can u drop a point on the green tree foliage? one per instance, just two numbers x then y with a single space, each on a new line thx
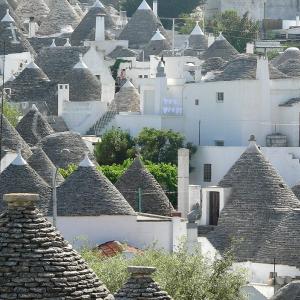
11 113
161 145
165 174
115 147
237 30
157 146
166 8
182 275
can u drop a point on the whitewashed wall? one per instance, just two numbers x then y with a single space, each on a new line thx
284 159
13 62
81 116
94 59
140 232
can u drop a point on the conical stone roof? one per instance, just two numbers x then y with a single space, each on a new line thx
156 46
258 201
58 61
283 243
220 48
87 192
62 17
289 53
290 67
154 200
64 148
41 163
290 291
11 34
213 64
11 140
86 28
140 285
197 39
243 67
128 98
33 86
42 265
4 6
141 27
83 85
33 127
19 177
32 8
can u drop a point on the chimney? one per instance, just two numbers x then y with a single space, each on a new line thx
32 28
297 21
155 7
20 200
262 70
100 28
63 95
183 181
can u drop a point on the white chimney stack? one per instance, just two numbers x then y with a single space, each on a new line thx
63 95
297 21
100 28
32 28
155 7
183 181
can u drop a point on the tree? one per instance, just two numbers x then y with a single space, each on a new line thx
183 275
237 30
161 145
11 113
115 147
157 146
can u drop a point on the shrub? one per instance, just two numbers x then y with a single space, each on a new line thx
182 275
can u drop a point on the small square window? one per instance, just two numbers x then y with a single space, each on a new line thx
219 143
66 86
197 102
220 97
207 173
61 86
140 76
145 76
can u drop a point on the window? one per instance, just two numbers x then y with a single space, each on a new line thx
197 102
145 76
219 143
98 77
220 97
61 86
207 173
140 76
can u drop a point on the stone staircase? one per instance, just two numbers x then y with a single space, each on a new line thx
102 123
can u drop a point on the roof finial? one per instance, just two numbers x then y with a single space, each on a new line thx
197 30
53 45
81 64
98 3
86 162
220 37
252 148
7 17
67 44
158 36
19 160
144 6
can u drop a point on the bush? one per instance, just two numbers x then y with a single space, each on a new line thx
182 275
11 113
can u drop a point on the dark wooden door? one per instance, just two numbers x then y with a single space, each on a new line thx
214 208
